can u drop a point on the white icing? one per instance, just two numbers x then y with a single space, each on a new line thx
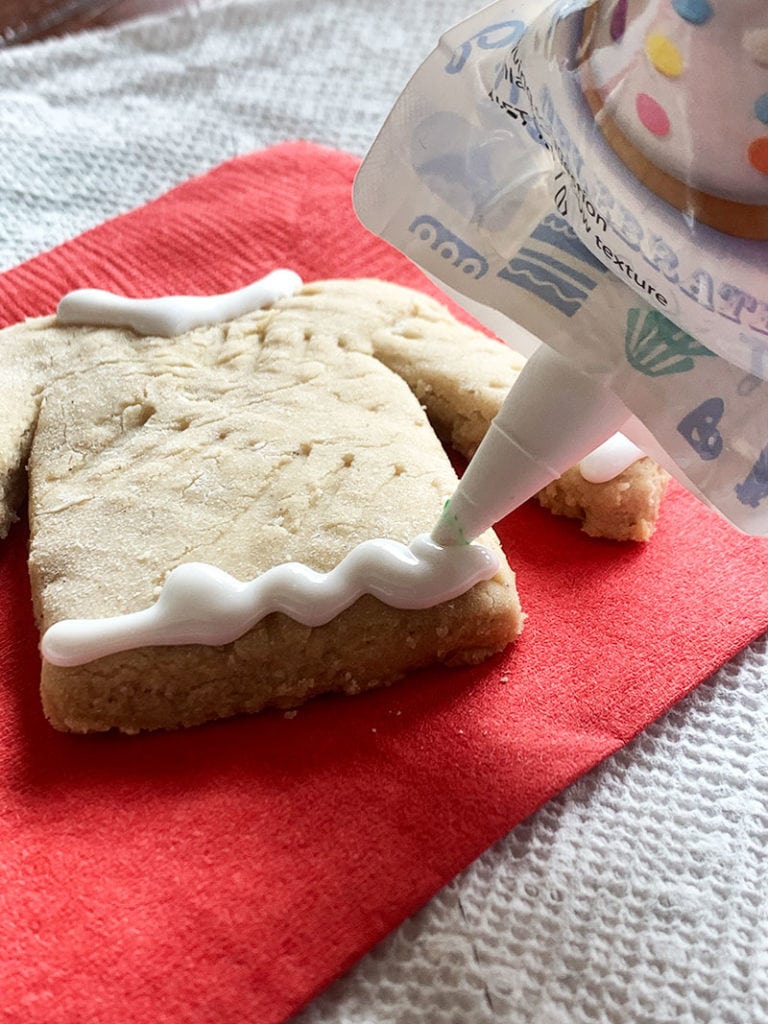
200 604
173 314
610 459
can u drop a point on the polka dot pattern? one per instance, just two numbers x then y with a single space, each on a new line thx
755 44
667 59
697 12
652 115
757 154
664 55
670 42
618 24
761 108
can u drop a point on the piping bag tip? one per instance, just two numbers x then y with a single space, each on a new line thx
551 418
448 532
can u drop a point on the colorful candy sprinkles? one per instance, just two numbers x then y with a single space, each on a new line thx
619 20
652 115
757 154
666 58
664 55
697 12
761 108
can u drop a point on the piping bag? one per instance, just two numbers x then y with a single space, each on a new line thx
578 176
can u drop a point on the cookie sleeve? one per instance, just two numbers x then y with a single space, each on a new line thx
25 363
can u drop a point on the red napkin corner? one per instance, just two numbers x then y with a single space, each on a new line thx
228 873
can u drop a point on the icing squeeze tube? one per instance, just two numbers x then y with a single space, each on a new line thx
571 414
568 170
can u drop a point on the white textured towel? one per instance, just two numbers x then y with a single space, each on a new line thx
637 897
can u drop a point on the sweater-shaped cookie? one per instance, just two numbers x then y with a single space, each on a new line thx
236 516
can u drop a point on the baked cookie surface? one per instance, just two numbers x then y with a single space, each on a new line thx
293 433
270 439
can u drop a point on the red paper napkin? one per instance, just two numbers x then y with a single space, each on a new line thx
228 873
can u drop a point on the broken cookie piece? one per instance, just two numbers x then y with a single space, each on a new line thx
623 508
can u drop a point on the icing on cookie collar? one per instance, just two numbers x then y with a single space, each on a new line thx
200 604
172 315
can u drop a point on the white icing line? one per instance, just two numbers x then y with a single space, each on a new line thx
173 314
610 459
200 604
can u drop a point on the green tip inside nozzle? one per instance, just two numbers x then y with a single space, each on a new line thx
448 531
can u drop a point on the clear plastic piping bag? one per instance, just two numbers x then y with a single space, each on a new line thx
581 174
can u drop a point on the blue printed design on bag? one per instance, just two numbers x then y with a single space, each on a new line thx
449 246
755 488
657 347
699 428
559 234
500 35
552 266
